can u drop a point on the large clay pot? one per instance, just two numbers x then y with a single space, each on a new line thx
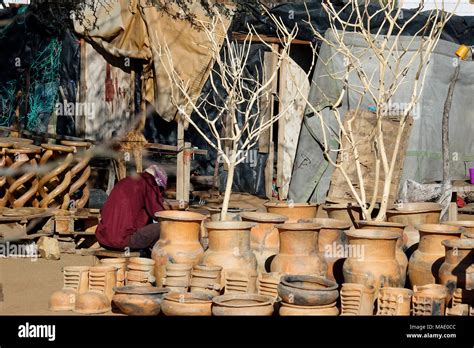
229 246
264 239
371 258
242 304
424 264
179 240
298 250
459 256
411 215
294 211
467 224
396 227
331 239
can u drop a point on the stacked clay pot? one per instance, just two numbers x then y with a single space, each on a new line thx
242 304
372 259
206 279
177 277
459 256
399 253
412 215
331 239
179 240
240 281
140 271
429 300
298 252
425 262
357 299
394 301
264 239
188 304
294 211
229 246
120 264
267 284
307 295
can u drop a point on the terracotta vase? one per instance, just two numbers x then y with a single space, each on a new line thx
229 246
288 309
400 255
411 215
139 300
357 299
371 258
307 290
458 257
242 304
298 250
467 224
331 240
240 281
189 304
294 211
264 239
429 300
424 264
394 301
179 240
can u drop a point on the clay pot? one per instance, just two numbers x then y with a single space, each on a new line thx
399 253
331 239
189 304
241 281
342 212
103 279
307 290
357 299
298 250
242 304
92 302
394 301
139 300
411 215
463 296
429 300
76 278
467 224
177 277
206 279
233 213
229 246
120 264
264 239
140 272
371 258
267 284
294 211
63 300
424 264
288 309
459 256
179 240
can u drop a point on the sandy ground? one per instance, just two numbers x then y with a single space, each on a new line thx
28 284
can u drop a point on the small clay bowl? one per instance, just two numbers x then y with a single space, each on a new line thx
302 290
243 304
139 300
187 304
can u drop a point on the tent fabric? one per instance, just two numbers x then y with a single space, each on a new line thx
137 29
423 162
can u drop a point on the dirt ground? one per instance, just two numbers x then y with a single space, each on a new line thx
28 283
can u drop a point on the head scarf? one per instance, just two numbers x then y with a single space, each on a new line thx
159 174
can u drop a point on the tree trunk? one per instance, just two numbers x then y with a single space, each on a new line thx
228 190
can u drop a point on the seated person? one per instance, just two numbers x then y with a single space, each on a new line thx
127 217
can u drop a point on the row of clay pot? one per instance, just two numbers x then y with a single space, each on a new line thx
86 290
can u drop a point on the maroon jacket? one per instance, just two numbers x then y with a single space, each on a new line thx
131 205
